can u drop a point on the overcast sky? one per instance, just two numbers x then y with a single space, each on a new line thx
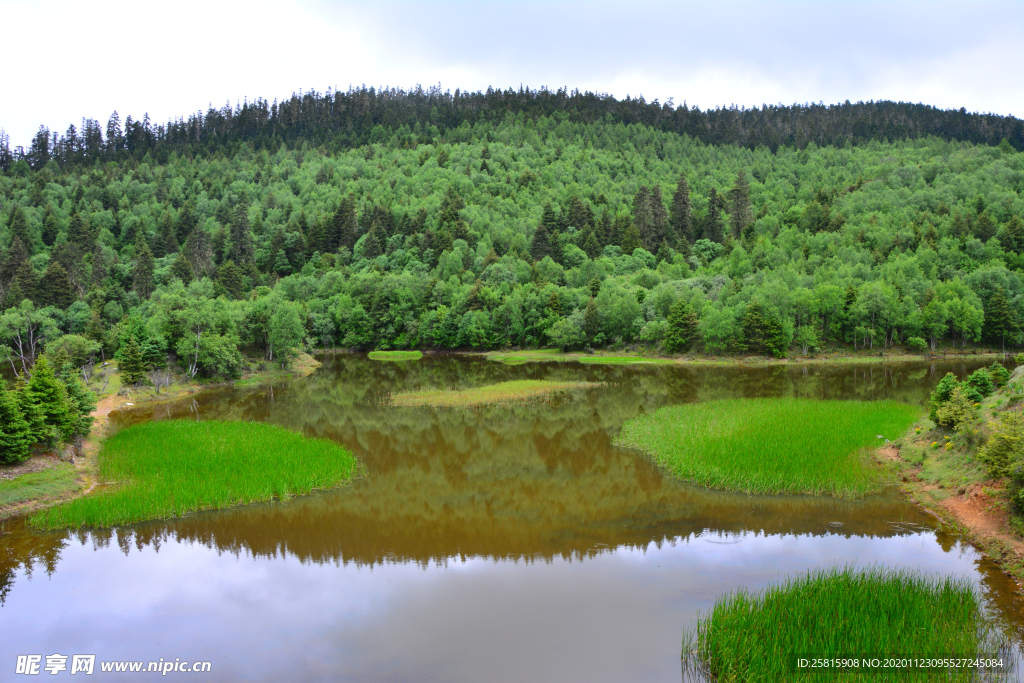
66 60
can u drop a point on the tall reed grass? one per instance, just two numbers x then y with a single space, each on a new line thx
166 469
503 392
772 445
841 612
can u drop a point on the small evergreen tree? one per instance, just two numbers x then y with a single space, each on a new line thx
540 246
630 239
16 436
81 398
182 269
682 327
132 365
48 392
142 272
762 331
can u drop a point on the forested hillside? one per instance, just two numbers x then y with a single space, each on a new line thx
517 231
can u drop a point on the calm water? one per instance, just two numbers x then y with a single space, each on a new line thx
498 544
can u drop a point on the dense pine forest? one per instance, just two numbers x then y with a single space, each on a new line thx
392 220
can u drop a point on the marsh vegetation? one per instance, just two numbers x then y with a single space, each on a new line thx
771 445
170 468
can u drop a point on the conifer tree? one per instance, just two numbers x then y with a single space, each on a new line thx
131 364
142 270
1000 321
55 288
186 223
680 214
20 230
682 327
166 239
713 228
591 245
199 252
540 245
82 400
50 227
100 269
232 278
22 277
48 392
78 230
631 239
371 243
182 269
344 225
241 238
740 215
16 436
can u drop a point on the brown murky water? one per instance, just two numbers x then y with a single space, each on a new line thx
505 543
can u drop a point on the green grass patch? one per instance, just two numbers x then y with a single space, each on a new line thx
503 392
622 360
52 482
837 613
169 468
395 355
771 445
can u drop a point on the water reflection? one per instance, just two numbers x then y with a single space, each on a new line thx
486 494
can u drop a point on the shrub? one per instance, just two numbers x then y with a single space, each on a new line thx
916 345
1000 375
981 380
958 411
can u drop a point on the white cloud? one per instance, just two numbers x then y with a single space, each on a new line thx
88 58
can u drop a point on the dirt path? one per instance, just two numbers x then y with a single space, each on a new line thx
982 518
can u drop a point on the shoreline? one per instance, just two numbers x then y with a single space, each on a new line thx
86 457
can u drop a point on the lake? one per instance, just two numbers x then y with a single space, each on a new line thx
502 543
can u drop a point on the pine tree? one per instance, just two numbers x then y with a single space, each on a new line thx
78 231
345 225
20 230
131 364
16 436
1000 322
591 245
81 398
630 239
984 227
540 245
713 228
182 269
591 320
166 239
649 217
371 244
47 392
740 215
142 271
682 327
580 215
100 269
199 252
680 214
241 238
232 279
186 223
22 277
762 331
55 288
50 227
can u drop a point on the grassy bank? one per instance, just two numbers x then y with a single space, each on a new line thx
166 469
56 481
395 355
503 392
837 613
776 445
